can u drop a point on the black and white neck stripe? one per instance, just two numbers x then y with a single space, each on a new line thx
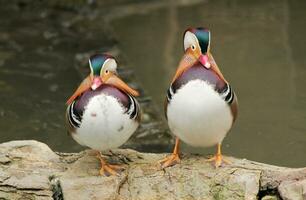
133 109
228 94
170 93
73 117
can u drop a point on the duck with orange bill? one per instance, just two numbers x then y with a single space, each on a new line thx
103 112
201 106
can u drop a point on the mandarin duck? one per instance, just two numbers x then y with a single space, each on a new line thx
200 105
103 113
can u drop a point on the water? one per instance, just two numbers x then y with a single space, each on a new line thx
259 46
38 48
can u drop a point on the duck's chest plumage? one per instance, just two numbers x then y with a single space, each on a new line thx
198 109
103 118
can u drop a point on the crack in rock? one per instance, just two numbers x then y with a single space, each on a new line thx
56 188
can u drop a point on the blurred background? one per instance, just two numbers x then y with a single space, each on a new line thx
259 45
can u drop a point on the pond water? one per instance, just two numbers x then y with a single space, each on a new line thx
38 48
259 45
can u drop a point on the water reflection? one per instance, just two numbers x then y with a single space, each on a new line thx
260 48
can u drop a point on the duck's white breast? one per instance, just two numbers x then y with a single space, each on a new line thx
104 124
198 115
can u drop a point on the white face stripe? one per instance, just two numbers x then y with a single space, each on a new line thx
90 66
208 48
109 64
190 39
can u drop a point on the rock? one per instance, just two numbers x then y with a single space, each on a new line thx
26 168
293 189
269 197
31 170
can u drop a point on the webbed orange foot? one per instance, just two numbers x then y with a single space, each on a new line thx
111 170
173 159
108 169
218 158
169 161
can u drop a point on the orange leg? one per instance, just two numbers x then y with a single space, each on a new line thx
107 169
174 158
218 158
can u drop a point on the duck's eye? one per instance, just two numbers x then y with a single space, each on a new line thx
106 71
193 47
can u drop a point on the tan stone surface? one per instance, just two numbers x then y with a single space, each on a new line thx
31 170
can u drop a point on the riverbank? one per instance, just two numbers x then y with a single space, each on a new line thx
31 170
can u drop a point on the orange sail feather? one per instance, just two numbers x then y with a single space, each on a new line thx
85 85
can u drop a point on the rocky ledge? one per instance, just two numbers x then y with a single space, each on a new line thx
31 170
